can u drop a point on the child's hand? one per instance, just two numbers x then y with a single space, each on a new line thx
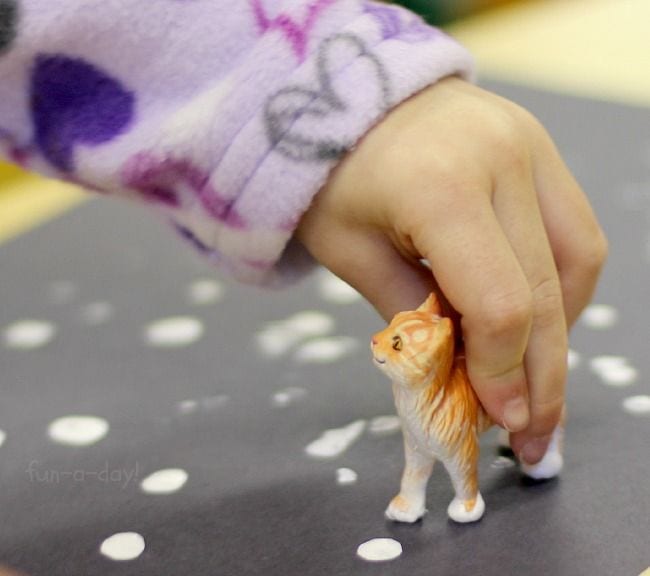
474 184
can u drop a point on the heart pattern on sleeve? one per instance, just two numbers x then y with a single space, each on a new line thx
74 102
294 114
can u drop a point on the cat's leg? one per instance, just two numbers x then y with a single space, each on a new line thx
409 504
551 465
468 505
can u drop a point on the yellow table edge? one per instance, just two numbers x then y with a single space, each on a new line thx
27 201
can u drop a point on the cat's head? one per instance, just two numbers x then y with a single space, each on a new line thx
415 345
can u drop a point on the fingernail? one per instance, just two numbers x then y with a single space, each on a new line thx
515 415
534 451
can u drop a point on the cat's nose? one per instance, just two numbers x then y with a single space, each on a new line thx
373 342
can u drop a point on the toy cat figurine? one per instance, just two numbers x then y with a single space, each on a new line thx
440 413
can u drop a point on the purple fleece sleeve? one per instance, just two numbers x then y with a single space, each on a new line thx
226 115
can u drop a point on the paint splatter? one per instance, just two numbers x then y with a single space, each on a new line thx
204 292
573 359
326 350
96 313
73 102
346 476
637 405
335 290
174 332
614 370
165 481
379 550
62 292
207 404
502 462
187 406
123 546
334 442
287 396
277 338
599 316
384 425
78 430
28 334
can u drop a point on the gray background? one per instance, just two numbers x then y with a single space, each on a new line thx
254 502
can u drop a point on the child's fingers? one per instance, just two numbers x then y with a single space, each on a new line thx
480 274
516 207
578 243
368 261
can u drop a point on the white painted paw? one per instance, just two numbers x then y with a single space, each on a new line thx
548 467
551 465
459 513
401 509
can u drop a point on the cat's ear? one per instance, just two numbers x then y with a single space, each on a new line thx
431 305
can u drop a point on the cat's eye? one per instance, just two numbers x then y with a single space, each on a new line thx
397 343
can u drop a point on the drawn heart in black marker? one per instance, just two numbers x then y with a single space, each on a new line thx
8 23
288 110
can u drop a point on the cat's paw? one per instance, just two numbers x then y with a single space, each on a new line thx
401 509
458 510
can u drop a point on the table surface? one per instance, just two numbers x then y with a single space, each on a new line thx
254 501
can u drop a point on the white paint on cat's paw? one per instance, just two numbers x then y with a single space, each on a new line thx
402 510
458 513
551 465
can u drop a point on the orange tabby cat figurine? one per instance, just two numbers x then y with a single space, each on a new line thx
440 413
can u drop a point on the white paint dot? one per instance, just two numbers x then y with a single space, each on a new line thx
346 476
380 550
123 546
3 437
310 323
288 396
502 462
96 313
335 290
78 430
599 316
174 332
204 292
62 292
614 370
164 481
333 443
573 359
637 405
216 402
187 406
277 338
325 350
383 425
28 334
